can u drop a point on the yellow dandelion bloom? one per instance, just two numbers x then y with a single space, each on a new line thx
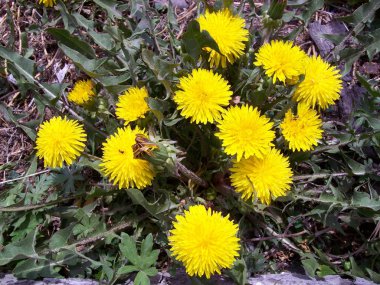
264 178
228 32
202 96
321 86
281 60
245 133
119 163
132 104
47 3
82 92
204 241
303 130
60 140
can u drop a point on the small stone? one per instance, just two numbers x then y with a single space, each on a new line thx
371 67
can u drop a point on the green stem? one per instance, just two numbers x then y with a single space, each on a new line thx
281 113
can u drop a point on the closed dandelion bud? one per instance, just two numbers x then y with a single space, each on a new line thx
210 194
162 154
276 9
270 23
102 106
347 265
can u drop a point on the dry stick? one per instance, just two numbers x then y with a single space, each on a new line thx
94 238
191 175
37 206
319 175
23 177
79 118
279 236
286 242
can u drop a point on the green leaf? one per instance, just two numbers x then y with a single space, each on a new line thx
64 37
149 260
310 264
21 249
325 270
10 117
193 40
146 246
363 14
363 200
366 84
152 271
356 167
33 269
127 269
141 279
153 209
104 40
25 67
239 272
82 21
355 269
61 237
128 249
375 277
67 18
162 69
89 66
311 8
111 7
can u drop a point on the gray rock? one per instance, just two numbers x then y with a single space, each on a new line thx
316 31
181 4
181 278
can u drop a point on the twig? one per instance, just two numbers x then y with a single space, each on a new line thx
95 238
286 242
37 206
279 236
319 175
191 175
347 255
79 118
23 177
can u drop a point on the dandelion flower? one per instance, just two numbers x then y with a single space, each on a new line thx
264 178
281 60
321 86
47 3
119 163
60 140
303 130
245 133
132 104
202 96
204 241
228 32
82 92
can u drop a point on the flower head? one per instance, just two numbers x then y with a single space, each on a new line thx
132 104
202 96
82 92
47 3
303 130
119 163
228 32
264 178
204 241
321 86
60 140
281 60
245 133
